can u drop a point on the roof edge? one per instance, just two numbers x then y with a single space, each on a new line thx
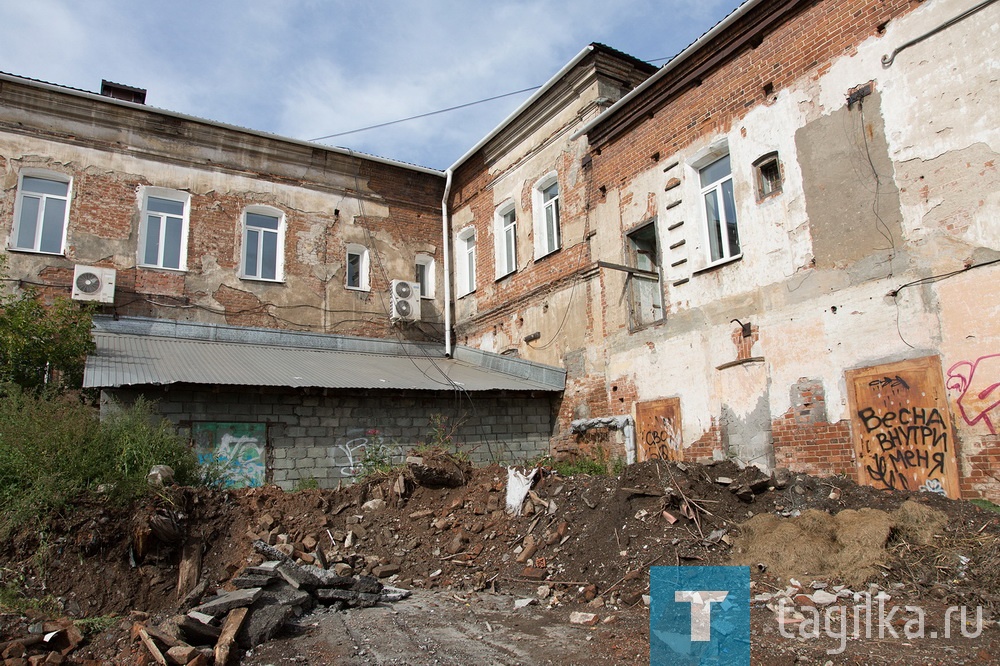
85 94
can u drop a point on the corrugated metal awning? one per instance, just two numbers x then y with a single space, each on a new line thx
158 353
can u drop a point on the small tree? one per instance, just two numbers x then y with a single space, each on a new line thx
43 345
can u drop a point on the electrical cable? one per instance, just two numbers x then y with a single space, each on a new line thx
425 115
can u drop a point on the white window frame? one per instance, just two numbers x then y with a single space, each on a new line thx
722 188
427 286
364 280
183 198
43 198
547 240
505 239
465 262
279 234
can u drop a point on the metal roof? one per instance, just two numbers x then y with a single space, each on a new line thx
152 352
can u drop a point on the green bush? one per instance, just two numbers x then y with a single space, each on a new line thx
53 448
43 345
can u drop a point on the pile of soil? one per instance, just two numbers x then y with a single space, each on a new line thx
585 539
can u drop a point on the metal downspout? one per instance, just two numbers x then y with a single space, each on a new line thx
446 239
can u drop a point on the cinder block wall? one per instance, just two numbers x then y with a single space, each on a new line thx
324 437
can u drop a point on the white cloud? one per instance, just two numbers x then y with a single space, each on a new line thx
308 68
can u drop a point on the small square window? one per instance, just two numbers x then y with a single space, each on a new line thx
767 170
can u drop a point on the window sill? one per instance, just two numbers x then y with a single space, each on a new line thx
649 324
28 250
547 254
146 267
251 278
364 289
503 277
427 298
742 361
718 264
468 293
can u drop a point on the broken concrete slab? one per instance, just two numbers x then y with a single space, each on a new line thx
227 601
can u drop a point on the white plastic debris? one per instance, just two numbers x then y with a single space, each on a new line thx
518 486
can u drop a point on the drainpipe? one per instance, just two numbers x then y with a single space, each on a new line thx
446 238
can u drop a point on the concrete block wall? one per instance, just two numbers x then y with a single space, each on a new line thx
325 438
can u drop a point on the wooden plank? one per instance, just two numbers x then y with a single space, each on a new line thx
901 427
190 569
228 636
151 646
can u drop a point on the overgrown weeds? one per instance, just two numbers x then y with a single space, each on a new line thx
53 448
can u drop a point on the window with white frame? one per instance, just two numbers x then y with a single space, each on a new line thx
505 234
263 243
465 262
720 210
424 274
545 201
163 229
357 268
645 293
41 212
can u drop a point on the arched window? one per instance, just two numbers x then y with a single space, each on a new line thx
465 262
41 212
357 268
545 202
163 228
263 244
505 235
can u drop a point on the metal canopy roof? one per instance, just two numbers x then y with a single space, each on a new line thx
139 352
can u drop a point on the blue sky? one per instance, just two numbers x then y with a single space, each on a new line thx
310 68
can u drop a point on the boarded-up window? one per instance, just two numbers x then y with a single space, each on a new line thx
658 429
902 430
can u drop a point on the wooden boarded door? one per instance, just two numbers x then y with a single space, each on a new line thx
901 427
658 429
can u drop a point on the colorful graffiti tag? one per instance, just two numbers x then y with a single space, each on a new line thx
237 450
978 383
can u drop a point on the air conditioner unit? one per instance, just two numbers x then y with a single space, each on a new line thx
93 283
405 301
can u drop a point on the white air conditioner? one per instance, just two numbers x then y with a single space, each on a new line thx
93 283
405 301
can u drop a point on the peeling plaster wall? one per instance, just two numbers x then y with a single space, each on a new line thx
327 203
823 261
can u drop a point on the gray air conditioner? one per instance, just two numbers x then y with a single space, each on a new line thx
94 283
405 301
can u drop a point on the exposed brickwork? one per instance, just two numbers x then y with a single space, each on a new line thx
328 200
822 449
980 472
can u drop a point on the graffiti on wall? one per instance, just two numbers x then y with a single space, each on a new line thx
363 448
903 437
978 385
658 429
236 450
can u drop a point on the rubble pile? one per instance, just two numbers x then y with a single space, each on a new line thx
248 562
264 597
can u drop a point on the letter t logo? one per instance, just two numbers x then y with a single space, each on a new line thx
701 610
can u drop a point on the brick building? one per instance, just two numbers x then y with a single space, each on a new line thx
216 254
780 247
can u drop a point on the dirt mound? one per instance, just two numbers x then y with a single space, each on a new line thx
584 539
